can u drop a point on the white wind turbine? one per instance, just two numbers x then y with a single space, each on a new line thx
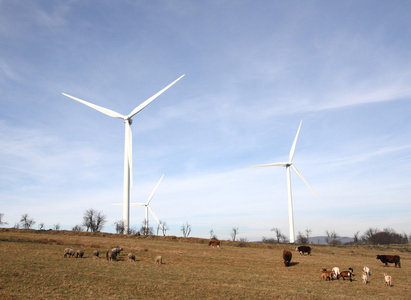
147 205
287 165
128 171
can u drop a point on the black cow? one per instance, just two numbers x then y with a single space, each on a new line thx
393 259
303 250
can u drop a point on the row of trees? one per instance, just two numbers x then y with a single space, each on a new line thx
372 236
94 221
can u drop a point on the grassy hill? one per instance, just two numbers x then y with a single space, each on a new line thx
33 267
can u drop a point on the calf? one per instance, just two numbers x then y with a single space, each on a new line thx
287 255
337 272
349 274
327 275
387 279
393 259
303 250
364 277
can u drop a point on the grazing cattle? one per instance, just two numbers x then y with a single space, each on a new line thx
388 279
131 257
327 275
96 253
79 254
214 243
349 274
158 260
110 255
69 252
336 271
392 259
287 255
364 277
303 250
367 270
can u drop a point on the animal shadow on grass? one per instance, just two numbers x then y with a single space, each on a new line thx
293 264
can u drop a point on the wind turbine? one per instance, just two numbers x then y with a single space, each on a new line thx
287 165
147 205
128 171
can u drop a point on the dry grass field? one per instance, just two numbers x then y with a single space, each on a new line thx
33 267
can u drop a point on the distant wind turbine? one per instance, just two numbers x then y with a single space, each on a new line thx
147 205
287 165
128 171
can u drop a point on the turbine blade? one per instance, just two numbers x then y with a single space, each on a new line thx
118 204
152 193
305 181
154 215
104 110
137 204
149 100
280 164
295 142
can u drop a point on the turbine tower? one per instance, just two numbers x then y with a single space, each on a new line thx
287 166
147 205
128 171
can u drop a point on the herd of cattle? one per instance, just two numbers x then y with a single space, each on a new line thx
111 255
335 273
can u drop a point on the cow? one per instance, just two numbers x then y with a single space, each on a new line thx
392 259
214 243
303 250
327 275
287 255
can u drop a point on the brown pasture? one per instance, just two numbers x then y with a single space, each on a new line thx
32 267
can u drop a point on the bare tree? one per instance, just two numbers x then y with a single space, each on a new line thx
356 238
301 239
332 238
164 228
213 235
94 220
78 228
41 226
26 222
1 220
234 233
280 237
145 229
56 226
186 229
119 226
307 233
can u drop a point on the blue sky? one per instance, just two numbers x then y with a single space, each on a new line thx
254 70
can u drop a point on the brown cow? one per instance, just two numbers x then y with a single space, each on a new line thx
214 243
393 259
287 255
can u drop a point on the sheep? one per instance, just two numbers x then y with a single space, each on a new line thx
110 256
117 250
96 254
79 253
287 255
69 252
387 279
336 271
131 257
364 277
367 270
158 260
348 274
327 275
